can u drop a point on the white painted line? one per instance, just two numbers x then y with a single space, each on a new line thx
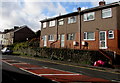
116 81
33 68
58 74
7 63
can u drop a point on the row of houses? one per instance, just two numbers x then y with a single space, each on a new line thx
17 34
92 29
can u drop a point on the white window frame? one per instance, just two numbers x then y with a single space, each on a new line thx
86 16
72 19
110 32
86 36
108 10
52 23
51 37
71 36
60 21
44 24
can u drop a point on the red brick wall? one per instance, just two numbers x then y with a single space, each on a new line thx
68 43
111 43
92 45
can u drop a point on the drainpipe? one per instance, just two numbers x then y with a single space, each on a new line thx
79 10
97 29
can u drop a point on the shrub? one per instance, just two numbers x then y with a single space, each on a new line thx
63 54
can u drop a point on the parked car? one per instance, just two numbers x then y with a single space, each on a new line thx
6 50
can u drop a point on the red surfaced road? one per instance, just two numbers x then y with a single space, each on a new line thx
53 74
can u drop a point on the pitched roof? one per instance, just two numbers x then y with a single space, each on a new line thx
84 11
101 7
61 16
17 29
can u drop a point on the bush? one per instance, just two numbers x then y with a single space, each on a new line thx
62 54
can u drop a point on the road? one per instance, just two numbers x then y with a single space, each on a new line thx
15 75
10 74
54 69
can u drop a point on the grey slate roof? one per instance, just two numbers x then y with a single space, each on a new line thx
84 11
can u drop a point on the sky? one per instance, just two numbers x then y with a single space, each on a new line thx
30 12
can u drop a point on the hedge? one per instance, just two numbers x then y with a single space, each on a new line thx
63 54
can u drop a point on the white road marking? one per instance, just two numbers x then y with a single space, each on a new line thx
7 63
34 68
57 74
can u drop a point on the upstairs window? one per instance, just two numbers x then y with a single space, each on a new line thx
52 23
110 34
89 16
71 19
89 36
44 25
106 13
51 37
71 36
60 22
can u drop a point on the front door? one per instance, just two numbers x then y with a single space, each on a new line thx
45 41
102 40
62 40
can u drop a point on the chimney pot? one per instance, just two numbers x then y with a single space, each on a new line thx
79 9
101 3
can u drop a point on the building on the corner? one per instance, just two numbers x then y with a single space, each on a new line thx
93 29
100 26
19 34
2 39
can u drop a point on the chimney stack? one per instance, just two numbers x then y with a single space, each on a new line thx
102 3
79 9
16 27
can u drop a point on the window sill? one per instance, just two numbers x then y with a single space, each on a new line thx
51 26
110 38
51 40
89 39
89 20
106 17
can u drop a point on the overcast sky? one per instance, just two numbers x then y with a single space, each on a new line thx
30 12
